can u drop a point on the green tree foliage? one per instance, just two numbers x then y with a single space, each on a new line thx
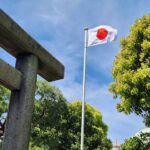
49 125
56 125
141 142
95 128
4 97
131 71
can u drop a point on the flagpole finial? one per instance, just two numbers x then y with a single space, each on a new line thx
86 28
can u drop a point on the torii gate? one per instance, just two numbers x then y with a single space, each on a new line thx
31 59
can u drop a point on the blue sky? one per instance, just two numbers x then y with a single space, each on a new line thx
58 25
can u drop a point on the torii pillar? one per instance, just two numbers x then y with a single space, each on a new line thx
31 59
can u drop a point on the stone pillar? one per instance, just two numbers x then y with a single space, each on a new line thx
21 105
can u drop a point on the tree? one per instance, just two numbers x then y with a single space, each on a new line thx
56 124
95 128
4 97
141 142
49 125
131 71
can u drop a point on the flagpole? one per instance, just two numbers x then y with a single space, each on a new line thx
84 87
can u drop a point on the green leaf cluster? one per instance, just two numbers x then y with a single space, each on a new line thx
141 142
57 124
95 128
49 125
4 97
131 71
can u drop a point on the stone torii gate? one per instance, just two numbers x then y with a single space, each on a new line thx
31 59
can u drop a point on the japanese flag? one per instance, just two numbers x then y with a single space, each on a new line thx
100 35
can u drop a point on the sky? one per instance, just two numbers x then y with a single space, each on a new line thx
59 25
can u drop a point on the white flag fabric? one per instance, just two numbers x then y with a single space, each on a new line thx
101 35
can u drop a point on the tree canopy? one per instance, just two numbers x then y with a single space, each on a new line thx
4 97
95 128
141 142
56 123
131 71
49 125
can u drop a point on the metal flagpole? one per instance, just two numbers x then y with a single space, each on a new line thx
84 88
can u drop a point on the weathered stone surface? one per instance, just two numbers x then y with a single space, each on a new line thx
15 40
16 136
9 76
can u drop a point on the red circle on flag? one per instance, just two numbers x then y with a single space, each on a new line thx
101 33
